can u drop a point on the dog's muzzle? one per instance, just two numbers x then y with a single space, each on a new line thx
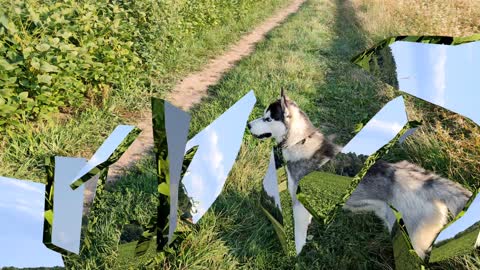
263 136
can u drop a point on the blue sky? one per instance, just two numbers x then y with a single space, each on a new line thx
441 74
219 144
68 204
381 129
21 225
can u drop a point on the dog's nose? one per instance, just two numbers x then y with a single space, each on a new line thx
249 126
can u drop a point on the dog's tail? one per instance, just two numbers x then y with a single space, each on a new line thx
454 195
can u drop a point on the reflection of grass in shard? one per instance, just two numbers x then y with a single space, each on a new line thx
323 190
405 257
454 247
350 241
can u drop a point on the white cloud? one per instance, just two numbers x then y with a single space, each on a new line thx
33 212
214 157
438 57
198 185
21 184
389 127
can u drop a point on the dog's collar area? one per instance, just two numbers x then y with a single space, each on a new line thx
302 141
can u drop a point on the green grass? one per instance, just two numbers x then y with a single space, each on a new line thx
309 55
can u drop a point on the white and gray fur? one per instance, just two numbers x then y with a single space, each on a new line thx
424 198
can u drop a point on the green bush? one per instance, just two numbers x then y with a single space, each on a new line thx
63 55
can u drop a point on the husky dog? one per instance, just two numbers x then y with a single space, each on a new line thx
423 198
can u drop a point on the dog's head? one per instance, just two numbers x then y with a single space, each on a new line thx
275 120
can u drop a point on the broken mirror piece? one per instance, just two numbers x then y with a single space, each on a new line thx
64 207
380 130
322 191
444 75
176 124
161 156
218 146
270 201
185 203
170 126
21 223
405 256
108 153
440 70
461 237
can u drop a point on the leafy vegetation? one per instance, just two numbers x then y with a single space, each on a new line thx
103 61
70 54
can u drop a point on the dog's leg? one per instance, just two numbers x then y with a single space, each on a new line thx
380 208
302 219
301 216
422 236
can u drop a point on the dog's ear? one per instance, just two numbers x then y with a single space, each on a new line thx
283 101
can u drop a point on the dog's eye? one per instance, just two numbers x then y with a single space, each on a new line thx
267 119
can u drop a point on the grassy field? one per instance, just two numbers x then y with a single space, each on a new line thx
309 55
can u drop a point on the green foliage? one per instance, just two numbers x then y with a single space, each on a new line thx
62 55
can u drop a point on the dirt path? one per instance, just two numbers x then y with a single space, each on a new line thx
191 90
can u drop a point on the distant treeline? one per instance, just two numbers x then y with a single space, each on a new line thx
475 226
345 164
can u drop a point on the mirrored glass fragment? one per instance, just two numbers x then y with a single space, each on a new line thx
218 145
336 175
176 124
380 130
407 133
21 223
108 153
270 201
62 231
161 156
440 70
441 74
405 256
460 237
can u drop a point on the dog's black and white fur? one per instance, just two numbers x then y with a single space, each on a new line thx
423 198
